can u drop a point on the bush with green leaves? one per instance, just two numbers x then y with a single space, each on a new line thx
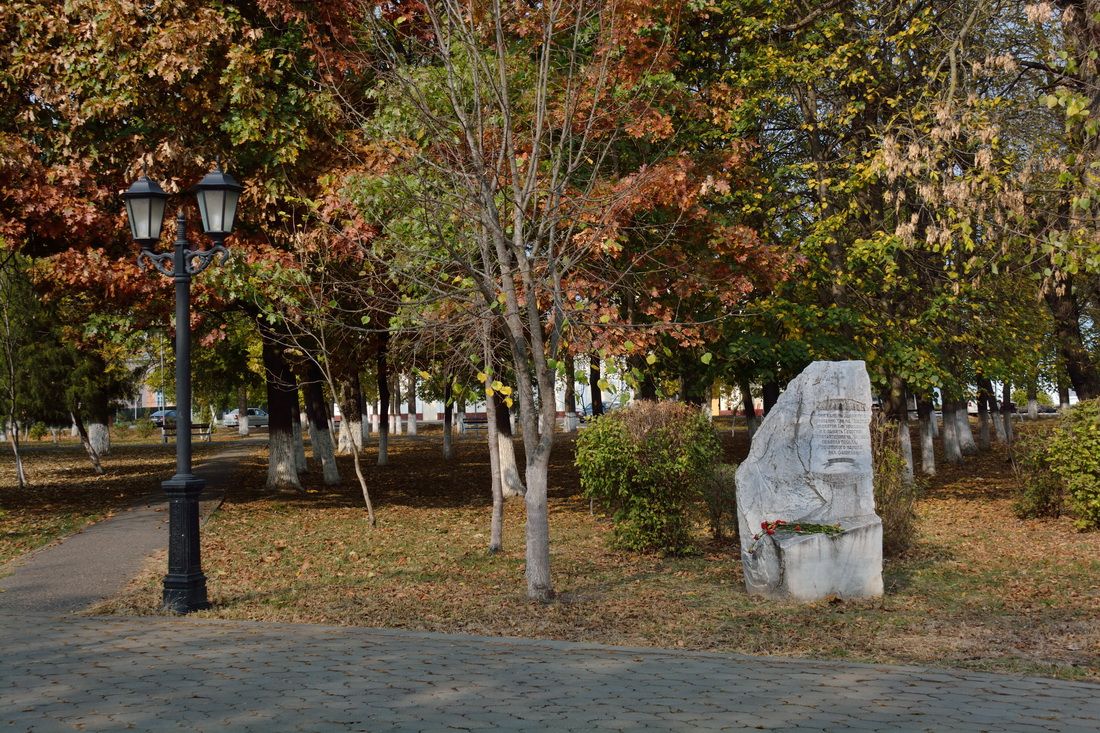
720 496
145 428
38 431
1074 456
1041 492
648 464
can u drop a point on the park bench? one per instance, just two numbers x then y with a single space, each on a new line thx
202 430
475 422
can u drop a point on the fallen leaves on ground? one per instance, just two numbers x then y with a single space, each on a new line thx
979 589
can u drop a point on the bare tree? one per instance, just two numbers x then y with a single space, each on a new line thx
508 192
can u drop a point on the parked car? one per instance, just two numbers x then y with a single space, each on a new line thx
161 417
257 418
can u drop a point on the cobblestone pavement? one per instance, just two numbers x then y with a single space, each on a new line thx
109 674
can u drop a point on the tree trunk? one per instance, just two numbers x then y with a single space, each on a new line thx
569 424
496 523
1063 395
396 424
750 407
771 395
351 411
319 433
99 435
242 411
282 407
1007 409
448 418
965 435
594 384
13 437
899 410
952 451
412 403
300 421
927 416
1032 400
1082 371
78 424
512 484
363 485
537 553
983 420
383 401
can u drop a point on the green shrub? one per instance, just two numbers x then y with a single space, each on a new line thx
1041 492
648 464
895 497
38 431
145 428
1074 456
720 496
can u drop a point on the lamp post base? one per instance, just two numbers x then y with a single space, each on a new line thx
185 583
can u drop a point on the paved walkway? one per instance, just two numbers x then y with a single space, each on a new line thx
61 672
99 561
163 674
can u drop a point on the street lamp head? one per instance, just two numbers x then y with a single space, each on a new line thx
145 208
217 195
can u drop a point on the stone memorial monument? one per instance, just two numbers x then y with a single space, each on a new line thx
810 463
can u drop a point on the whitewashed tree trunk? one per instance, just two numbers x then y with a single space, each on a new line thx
952 451
905 445
984 441
300 461
383 446
537 553
343 438
927 439
321 443
20 472
351 435
967 443
99 435
999 425
282 466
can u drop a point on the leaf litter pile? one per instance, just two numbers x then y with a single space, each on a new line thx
979 589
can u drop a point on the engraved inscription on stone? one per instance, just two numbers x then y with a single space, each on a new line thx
836 433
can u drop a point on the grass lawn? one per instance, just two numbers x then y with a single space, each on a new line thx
65 494
980 589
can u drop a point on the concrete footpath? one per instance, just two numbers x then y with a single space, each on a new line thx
164 674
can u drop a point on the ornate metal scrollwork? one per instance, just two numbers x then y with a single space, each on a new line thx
197 261
161 261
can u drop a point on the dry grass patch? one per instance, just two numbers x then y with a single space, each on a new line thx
979 588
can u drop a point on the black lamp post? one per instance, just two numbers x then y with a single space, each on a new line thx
217 194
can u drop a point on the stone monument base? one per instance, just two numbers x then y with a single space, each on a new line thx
809 567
